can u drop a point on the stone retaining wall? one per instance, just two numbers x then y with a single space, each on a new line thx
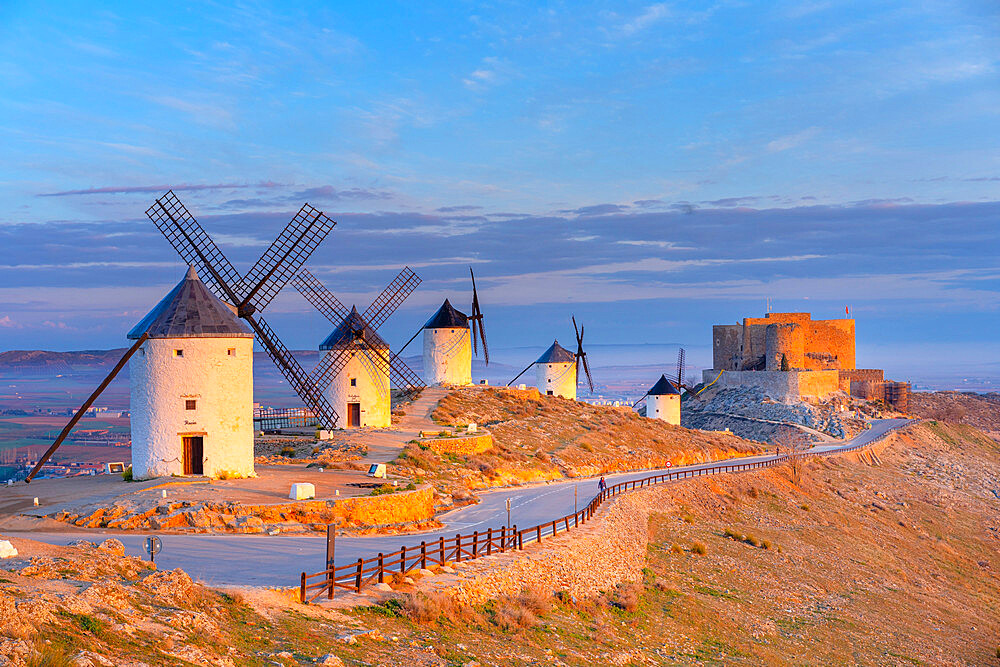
609 550
403 507
473 444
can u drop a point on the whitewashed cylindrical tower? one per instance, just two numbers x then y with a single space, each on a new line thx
664 402
448 348
191 387
555 372
360 391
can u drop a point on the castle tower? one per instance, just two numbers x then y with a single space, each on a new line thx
360 391
664 402
784 340
447 347
191 387
555 372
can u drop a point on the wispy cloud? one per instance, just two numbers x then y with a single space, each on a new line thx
789 141
145 189
649 16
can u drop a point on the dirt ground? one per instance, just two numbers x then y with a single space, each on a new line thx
832 562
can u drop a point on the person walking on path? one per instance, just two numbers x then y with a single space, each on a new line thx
602 485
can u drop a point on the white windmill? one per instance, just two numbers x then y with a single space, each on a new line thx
557 370
355 362
191 387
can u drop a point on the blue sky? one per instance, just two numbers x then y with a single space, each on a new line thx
654 168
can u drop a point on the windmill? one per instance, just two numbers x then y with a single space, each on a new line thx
355 371
251 293
664 397
557 371
450 339
246 294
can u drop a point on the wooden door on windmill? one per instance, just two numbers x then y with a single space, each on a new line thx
353 415
193 455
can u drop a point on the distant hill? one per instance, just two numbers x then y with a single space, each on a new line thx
57 362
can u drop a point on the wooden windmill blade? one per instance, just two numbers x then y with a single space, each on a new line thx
681 355
296 376
196 247
86 406
286 255
581 356
406 378
330 365
391 297
319 296
478 325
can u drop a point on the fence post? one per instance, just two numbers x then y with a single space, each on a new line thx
475 543
381 568
489 542
423 555
357 577
302 589
503 539
458 548
518 539
402 560
441 549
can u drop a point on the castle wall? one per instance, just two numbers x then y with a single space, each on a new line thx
448 356
781 385
221 384
830 344
827 344
557 379
726 346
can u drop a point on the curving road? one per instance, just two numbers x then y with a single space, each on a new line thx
262 560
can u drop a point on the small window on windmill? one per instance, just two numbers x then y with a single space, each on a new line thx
548 393
354 382
231 352
178 353
190 404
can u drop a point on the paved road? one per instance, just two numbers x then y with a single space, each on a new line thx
260 560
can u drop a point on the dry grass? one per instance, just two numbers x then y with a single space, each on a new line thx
539 438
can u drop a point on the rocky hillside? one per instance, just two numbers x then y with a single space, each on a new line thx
547 437
890 565
979 410
749 413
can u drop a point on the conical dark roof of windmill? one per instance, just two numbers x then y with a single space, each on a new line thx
448 318
354 327
191 311
556 354
664 387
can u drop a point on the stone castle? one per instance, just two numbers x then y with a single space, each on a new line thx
791 356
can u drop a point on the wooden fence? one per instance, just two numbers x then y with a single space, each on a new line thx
376 569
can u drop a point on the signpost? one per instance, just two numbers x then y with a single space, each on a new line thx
153 546
508 513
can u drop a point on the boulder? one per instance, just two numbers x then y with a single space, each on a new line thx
250 524
302 491
7 549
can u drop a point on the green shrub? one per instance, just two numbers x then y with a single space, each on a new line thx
676 548
699 548
287 451
383 489
127 474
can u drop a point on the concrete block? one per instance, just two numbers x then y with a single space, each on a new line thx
7 549
302 491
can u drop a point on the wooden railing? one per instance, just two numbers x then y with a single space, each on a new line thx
376 569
